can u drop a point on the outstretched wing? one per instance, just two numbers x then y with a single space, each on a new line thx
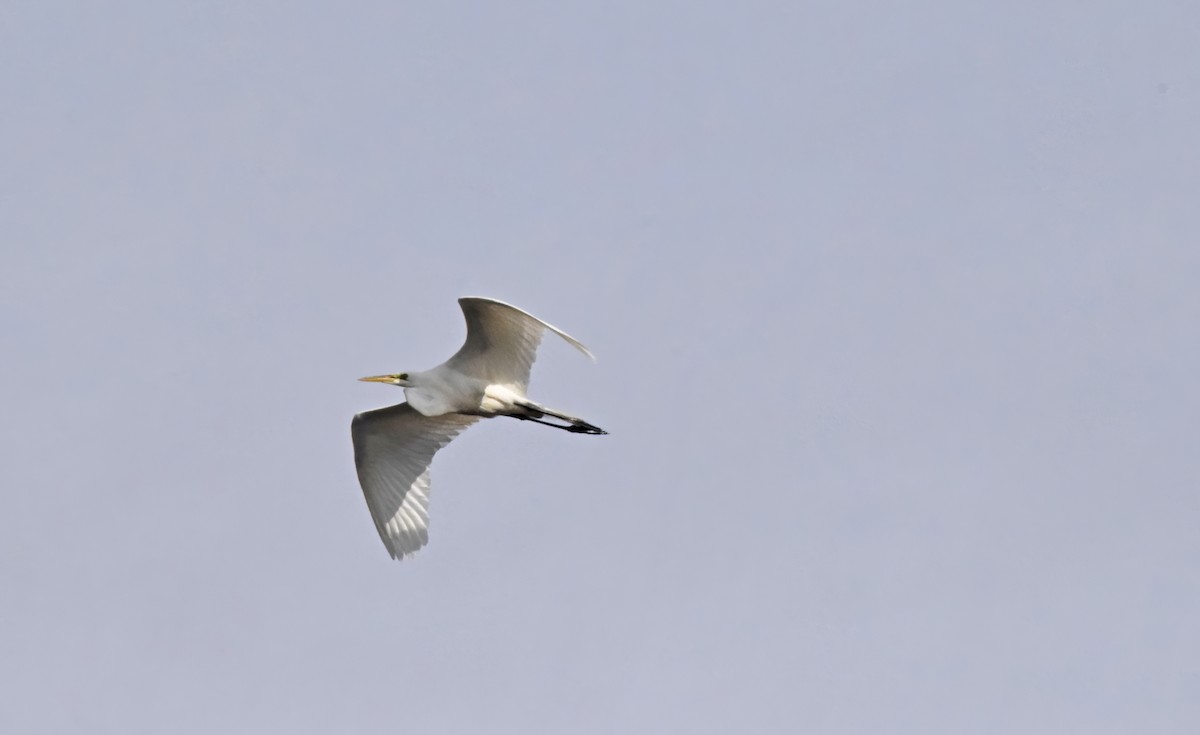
393 448
502 342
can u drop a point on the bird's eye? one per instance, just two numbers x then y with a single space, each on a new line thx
403 376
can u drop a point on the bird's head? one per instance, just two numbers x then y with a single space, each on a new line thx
399 379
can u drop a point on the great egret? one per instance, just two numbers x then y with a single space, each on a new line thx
487 377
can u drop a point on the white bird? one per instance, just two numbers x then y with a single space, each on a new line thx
487 377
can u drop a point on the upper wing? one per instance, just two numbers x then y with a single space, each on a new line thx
392 450
502 342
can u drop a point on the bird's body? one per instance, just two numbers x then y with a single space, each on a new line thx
441 391
487 377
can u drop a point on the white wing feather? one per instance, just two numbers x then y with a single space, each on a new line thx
393 448
502 342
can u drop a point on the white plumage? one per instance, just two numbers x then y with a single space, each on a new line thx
487 377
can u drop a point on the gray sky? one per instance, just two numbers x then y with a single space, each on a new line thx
896 309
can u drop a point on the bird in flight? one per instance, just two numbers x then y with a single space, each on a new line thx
487 377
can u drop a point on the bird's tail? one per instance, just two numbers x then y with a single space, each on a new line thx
537 412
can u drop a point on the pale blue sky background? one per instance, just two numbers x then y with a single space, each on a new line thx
896 308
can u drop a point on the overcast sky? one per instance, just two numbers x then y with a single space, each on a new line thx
896 307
